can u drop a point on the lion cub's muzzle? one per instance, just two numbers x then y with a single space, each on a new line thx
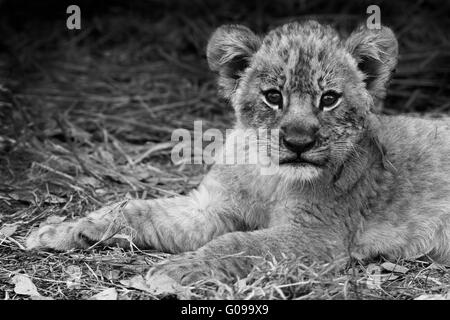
298 141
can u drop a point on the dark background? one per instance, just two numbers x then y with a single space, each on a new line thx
33 33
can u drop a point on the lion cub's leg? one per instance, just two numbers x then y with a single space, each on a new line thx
108 225
234 254
173 225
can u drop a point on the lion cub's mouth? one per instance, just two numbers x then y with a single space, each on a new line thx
300 160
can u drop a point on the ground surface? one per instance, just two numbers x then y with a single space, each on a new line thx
88 115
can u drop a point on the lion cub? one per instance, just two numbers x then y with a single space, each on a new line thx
349 181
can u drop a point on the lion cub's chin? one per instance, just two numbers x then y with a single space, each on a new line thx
299 172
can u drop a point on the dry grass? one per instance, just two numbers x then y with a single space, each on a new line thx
87 117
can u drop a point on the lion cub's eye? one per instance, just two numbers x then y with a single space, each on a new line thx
329 100
273 98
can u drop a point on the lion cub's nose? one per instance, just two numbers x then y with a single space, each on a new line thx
299 144
298 140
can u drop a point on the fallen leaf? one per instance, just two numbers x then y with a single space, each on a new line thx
113 275
73 271
433 297
438 266
136 282
373 269
8 230
157 285
107 294
105 156
142 173
53 199
23 285
128 196
101 191
24 196
389 266
375 278
55 219
162 284
73 280
241 285
89 181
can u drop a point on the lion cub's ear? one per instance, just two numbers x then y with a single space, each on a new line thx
376 52
229 51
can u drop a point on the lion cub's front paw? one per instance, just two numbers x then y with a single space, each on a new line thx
185 269
103 226
57 236
80 234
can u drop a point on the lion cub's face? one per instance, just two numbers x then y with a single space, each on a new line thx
304 80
